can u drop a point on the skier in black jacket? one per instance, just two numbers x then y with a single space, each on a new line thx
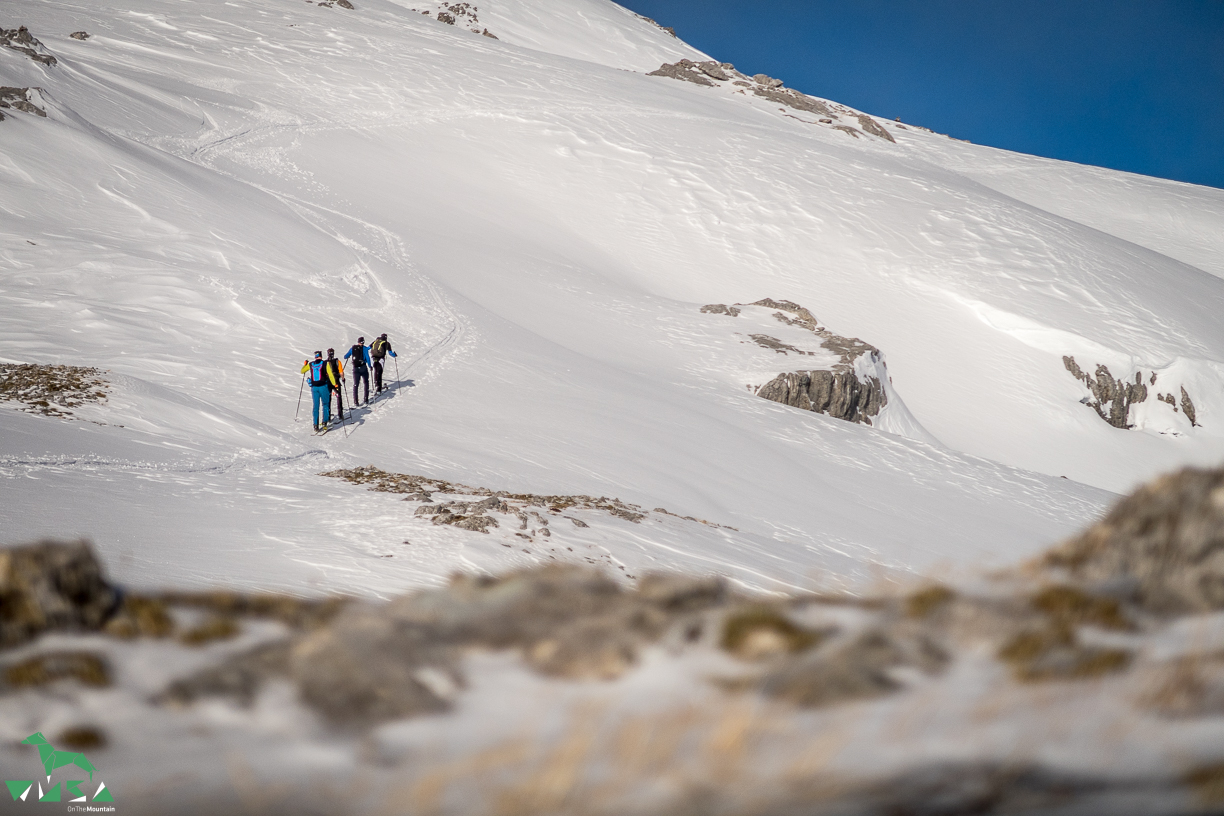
360 368
337 391
379 349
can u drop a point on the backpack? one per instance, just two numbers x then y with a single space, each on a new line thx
359 358
378 349
318 372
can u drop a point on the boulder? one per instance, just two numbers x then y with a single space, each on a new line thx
1163 544
52 587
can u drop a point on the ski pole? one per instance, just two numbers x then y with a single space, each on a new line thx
397 379
301 391
343 419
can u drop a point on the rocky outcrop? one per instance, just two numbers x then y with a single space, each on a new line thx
840 394
684 70
710 74
51 390
52 587
1188 406
1162 546
79 35
843 392
870 125
21 99
1112 399
21 40
458 14
720 308
666 29
378 662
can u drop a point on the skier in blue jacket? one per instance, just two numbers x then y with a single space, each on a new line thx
322 380
360 368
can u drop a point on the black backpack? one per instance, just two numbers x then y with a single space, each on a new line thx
358 354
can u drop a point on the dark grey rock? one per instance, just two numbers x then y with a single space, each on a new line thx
84 35
840 392
20 40
682 70
1112 398
19 99
1188 406
52 586
870 125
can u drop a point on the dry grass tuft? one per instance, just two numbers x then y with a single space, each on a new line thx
1071 606
1052 653
210 631
759 632
926 602
89 669
296 613
140 617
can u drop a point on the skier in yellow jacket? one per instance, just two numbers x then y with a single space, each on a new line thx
322 380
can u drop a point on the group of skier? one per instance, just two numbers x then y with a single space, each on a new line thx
327 376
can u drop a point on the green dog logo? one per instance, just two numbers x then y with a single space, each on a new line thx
52 759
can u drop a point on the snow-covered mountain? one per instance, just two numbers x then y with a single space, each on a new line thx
195 197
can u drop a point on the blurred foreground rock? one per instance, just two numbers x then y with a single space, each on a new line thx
561 690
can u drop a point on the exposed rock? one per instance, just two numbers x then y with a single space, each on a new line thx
19 99
767 81
20 39
791 98
859 668
719 308
847 129
379 662
420 488
83 35
713 70
446 17
682 70
776 345
840 393
51 586
667 29
1113 398
871 126
1188 406
84 667
51 390
239 677
1165 542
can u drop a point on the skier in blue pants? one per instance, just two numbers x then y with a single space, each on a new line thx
322 381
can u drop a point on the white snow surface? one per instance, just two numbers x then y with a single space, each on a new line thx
220 189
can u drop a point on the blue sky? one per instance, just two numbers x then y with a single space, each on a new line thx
1134 85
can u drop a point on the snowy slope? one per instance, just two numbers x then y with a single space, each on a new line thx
218 191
